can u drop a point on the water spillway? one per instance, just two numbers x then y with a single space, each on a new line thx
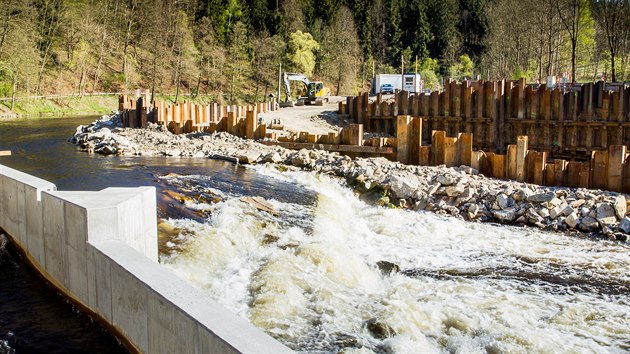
333 273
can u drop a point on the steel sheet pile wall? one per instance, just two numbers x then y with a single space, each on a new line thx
567 124
190 117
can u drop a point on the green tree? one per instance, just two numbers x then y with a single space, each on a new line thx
211 56
238 58
474 28
185 54
574 15
463 68
293 18
342 52
19 55
613 17
268 52
444 44
302 48
363 18
48 23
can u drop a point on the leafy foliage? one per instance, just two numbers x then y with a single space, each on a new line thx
302 48
233 48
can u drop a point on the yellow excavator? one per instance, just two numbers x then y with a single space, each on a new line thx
316 92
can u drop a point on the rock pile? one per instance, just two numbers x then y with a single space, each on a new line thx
99 136
461 192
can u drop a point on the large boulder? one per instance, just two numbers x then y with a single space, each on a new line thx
456 190
466 194
380 330
273 158
572 220
522 194
100 135
503 201
249 157
589 224
541 197
532 215
403 187
606 214
555 212
301 158
506 215
445 180
473 209
620 206
387 267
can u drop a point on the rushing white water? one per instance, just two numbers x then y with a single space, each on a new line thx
309 277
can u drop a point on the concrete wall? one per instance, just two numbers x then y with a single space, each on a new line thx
100 248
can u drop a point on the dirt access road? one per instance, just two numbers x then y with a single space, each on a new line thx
308 118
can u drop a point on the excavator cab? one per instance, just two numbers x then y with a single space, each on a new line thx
317 89
316 92
311 89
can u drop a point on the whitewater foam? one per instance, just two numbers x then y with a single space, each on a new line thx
309 277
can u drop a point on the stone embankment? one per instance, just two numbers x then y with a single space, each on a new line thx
461 192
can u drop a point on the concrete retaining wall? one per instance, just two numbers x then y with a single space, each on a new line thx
100 248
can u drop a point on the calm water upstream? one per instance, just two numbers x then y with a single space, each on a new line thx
311 273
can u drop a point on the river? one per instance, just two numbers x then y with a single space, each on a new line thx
324 272
33 316
310 276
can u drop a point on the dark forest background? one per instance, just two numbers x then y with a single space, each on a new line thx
232 49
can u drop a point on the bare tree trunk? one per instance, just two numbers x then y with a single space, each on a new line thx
573 51
5 30
177 76
199 77
232 88
208 74
624 66
266 92
97 72
540 58
339 80
613 75
126 45
221 75
549 53
13 91
40 75
81 82
256 93
154 69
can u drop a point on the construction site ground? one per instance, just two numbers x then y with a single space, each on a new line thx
308 118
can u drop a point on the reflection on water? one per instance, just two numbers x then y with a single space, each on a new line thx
34 318
39 147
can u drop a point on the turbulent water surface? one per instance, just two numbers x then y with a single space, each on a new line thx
316 275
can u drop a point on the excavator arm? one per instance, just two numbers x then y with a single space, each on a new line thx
288 77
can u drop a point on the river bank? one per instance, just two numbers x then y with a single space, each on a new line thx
460 192
73 105
59 106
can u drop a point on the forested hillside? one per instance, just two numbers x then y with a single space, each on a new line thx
233 48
